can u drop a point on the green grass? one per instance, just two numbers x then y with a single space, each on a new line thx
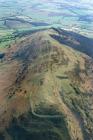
55 129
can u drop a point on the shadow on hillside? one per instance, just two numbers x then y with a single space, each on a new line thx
75 41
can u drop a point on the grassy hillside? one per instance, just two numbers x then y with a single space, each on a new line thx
46 89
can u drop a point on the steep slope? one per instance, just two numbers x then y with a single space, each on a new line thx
46 90
74 40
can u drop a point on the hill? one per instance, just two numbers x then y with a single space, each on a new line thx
46 87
